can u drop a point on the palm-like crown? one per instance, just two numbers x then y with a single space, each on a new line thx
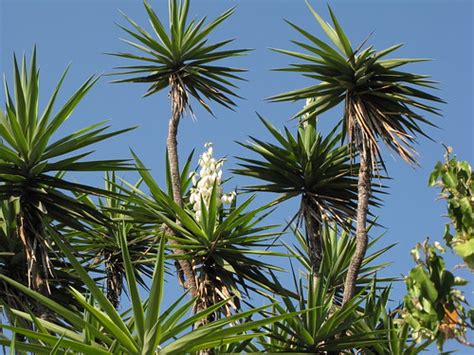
182 57
381 102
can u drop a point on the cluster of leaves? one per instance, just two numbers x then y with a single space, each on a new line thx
32 163
143 329
339 244
13 264
317 329
433 307
308 165
456 180
380 100
100 245
224 244
182 56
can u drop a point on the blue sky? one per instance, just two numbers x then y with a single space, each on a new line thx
81 31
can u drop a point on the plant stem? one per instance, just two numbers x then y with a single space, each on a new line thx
114 281
178 104
364 191
313 237
30 230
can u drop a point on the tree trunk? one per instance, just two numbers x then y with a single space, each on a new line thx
313 237
178 103
207 298
114 281
30 231
364 191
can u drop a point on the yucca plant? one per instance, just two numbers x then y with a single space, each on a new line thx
226 251
316 329
338 249
143 329
182 60
32 165
388 323
224 245
100 244
313 167
381 103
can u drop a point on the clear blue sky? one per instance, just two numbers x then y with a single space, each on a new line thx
81 31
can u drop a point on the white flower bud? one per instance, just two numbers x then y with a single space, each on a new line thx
439 247
415 254
459 281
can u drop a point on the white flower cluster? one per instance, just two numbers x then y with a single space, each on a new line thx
203 183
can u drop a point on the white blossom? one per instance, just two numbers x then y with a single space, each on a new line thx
415 254
210 173
460 281
439 247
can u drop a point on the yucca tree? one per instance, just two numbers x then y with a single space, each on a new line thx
316 330
224 245
313 167
182 60
32 166
146 328
381 103
367 322
338 250
101 245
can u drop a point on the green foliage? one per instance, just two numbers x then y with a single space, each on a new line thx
309 165
100 245
394 333
182 56
141 330
456 181
316 330
77 232
32 163
380 100
12 259
224 245
433 307
13 264
338 249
